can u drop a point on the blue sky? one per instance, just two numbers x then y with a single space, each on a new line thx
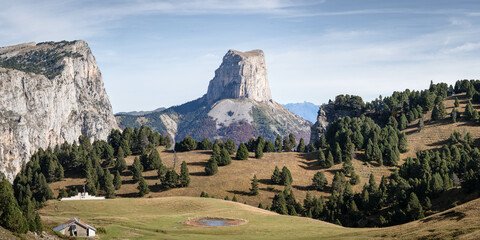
163 53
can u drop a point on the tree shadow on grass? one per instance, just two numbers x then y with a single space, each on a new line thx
309 156
270 189
151 177
266 181
197 163
438 143
130 181
198 174
310 165
303 188
128 195
237 192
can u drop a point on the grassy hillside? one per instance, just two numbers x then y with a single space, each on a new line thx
160 218
235 178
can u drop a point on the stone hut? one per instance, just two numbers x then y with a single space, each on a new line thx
76 228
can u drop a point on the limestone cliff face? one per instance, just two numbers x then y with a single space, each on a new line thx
241 75
238 105
49 93
327 114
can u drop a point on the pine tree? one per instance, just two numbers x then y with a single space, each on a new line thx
403 122
117 180
337 154
301 146
120 164
291 140
286 176
329 162
435 113
276 176
354 178
420 125
225 158
171 179
414 208
402 142
319 181
259 151
143 188
269 147
90 187
454 115
216 152
234 199
212 167
278 144
230 146
457 103
184 175
108 185
242 152
254 189
321 159
137 170
442 112
11 216
153 161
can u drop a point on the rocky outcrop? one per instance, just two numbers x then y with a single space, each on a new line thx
241 75
49 93
327 114
238 105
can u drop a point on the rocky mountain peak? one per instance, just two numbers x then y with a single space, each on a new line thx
50 92
241 75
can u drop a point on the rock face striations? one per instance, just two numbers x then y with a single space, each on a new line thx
49 93
238 105
241 75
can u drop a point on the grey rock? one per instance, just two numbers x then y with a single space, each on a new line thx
241 75
49 93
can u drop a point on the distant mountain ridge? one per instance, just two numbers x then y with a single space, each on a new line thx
140 113
306 110
238 105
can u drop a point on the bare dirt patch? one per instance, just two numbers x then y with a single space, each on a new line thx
214 222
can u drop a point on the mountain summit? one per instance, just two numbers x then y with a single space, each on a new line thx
241 75
238 105
50 93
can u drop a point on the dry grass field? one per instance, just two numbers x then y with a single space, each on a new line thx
161 218
235 178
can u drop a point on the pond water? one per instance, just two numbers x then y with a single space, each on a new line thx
214 222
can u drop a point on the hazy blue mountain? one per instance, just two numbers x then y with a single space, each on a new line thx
306 110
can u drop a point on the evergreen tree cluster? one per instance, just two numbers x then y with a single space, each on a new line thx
404 196
345 135
283 177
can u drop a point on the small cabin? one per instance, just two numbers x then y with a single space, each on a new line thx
76 228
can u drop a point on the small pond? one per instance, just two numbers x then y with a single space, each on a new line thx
214 222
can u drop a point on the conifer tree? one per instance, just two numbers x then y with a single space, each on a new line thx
291 140
234 199
286 176
117 180
184 175
354 178
212 167
321 159
454 115
278 144
457 103
230 146
402 142
143 187
254 189
120 164
329 161
319 181
108 185
301 146
420 125
216 152
136 169
90 187
276 176
259 151
225 158
11 216
269 147
414 208
171 179
337 158
242 152
403 122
